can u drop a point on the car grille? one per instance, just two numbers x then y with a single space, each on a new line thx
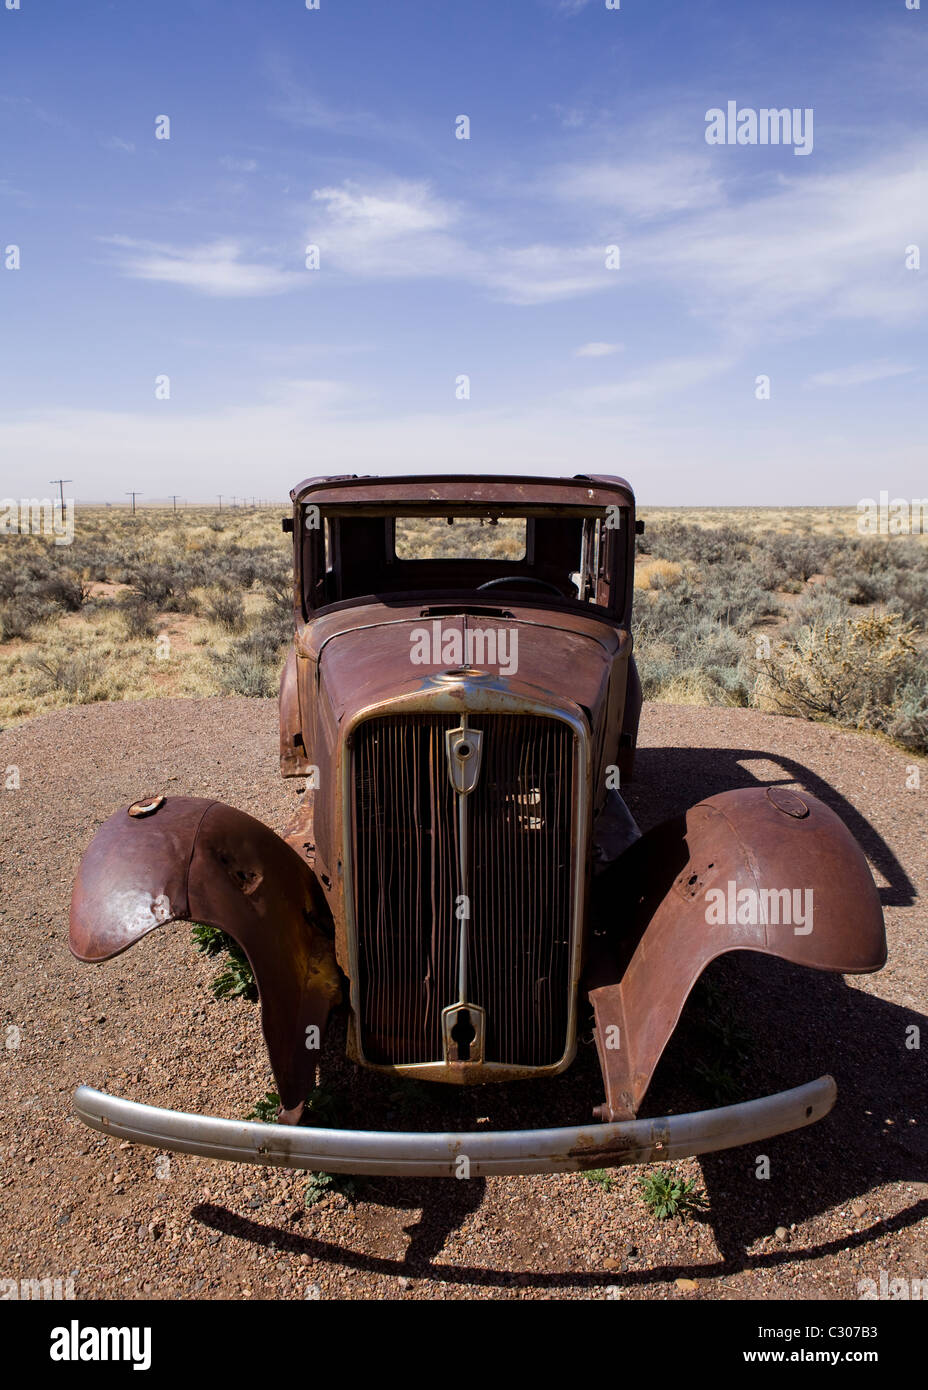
406 880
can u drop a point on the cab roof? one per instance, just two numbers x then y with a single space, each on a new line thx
423 489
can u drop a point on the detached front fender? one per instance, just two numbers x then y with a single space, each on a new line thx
761 869
188 859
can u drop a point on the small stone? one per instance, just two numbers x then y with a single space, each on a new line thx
403 1282
782 1235
859 1207
687 1285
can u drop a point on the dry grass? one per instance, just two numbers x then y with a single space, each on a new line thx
651 573
756 521
155 619
734 606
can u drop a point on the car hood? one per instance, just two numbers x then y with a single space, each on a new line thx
378 657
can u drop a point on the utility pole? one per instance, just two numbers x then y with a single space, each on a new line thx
174 500
220 501
61 482
133 495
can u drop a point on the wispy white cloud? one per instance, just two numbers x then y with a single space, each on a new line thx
782 260
401 229
300 102
640 189
816 248
544 273
216 268
860 375
597 349
570 117
116 142
403 209
670 376
238 166
20 196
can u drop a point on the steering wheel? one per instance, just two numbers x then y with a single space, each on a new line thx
521 580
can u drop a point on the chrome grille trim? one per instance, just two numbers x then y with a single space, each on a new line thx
510 1052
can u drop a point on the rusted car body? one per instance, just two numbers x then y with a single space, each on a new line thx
463 724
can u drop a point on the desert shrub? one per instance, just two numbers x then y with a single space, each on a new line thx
166 589
78 675
780 558
153 583
263 643
703 546
692 639
243 674
138 615
226 610
65 590
865 672
8 580
705 660
907 721
252 665
242 569
909 597
278 588
731 595
21 614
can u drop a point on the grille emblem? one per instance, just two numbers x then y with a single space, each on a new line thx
463 749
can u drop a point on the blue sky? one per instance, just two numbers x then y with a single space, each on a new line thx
441 257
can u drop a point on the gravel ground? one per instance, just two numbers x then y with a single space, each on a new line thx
845 1200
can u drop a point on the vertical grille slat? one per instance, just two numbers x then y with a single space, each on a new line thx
404 832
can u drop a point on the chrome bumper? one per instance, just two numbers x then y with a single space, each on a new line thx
492 1153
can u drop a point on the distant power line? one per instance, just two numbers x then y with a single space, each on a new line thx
61 482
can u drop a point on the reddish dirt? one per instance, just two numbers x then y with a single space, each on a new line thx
849 1195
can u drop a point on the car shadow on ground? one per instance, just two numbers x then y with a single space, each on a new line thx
418 1262
660 773
754 1025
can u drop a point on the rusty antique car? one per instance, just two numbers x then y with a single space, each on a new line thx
462 703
